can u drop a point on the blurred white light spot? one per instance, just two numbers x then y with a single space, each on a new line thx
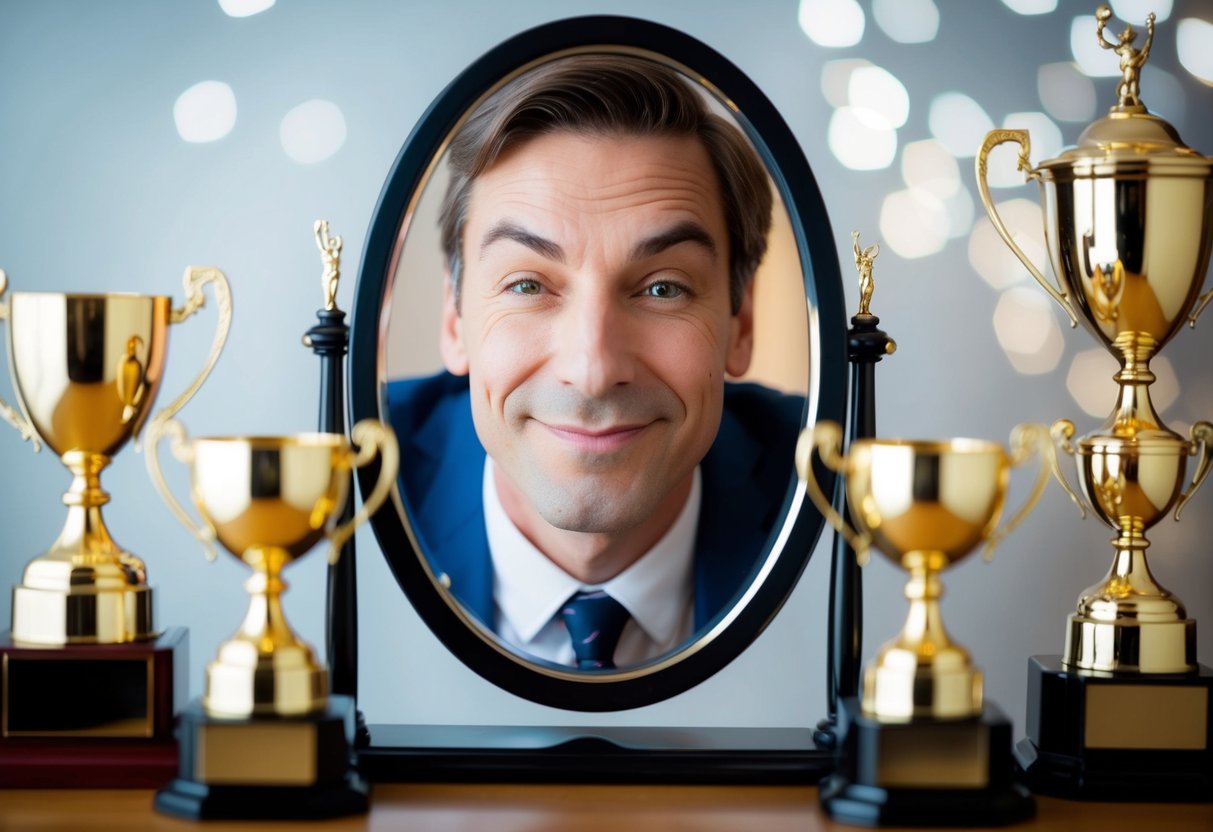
832 22
1090 381
928 165
1022 320
1135 11
993 259
860 145
313 131
1044 137
960 213
878 98
1030 6
907 21
1194 42
959 123
913 223
1164 392
205 112
244 8
836 80
1066 93
1092 58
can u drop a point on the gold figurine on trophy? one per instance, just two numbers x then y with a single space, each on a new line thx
1129 225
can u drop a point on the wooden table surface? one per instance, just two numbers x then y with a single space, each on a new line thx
558 808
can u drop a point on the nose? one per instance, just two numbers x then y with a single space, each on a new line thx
594 346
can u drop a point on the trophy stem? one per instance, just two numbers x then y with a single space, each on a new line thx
265 669
922 672
85 589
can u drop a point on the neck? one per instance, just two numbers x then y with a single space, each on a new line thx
590 557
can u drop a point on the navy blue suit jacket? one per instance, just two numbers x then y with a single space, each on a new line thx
746 478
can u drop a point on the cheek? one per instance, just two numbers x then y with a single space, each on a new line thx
504 353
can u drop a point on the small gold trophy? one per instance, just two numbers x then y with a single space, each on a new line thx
84 659
266 739
1129 225
921 746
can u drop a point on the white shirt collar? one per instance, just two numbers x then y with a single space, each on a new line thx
529 589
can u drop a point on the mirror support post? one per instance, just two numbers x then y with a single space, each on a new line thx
329 339
866 345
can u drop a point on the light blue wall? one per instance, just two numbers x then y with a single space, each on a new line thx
99 193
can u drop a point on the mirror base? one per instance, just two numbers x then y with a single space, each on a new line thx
1118 736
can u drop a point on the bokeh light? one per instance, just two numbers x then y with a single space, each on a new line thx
1066 93
907 21
959 207
877 97
1027 331
928 165
1044 137
206 112
244 8
1135 11
835 23
1164 392
313 131
991 258
959 123
1194 42
1030 6
1090 381
858 143
836 80
913 223
1092 58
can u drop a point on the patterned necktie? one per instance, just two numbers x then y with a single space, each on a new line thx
594 621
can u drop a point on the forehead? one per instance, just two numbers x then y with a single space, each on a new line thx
569 177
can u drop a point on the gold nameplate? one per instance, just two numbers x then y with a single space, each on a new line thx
1147 717
935 759
259 753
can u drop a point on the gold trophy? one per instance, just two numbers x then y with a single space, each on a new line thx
266 739
86 369
1129 225
920 746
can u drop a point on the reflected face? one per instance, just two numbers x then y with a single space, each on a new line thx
595 325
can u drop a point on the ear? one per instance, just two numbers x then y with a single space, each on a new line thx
450 338
741 335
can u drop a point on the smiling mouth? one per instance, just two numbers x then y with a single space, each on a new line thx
596 441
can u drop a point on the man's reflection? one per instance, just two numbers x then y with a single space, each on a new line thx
602 228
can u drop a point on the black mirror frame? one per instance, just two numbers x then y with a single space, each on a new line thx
802 198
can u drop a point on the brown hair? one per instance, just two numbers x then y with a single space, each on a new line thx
611 94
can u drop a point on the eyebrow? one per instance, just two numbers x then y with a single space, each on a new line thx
506 230
687 231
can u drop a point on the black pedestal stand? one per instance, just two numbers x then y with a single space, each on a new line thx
866 345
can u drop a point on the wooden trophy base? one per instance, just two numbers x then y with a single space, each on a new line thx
266 767
91 715
1109 736
928 772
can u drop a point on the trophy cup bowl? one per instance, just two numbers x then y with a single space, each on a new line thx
925 505
269 500
86 369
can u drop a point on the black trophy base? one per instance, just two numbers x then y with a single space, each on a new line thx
266 767
1108 736
925 773
91 715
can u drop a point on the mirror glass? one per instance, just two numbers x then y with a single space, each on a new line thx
741 529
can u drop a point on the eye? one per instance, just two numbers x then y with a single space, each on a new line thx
525 286
664 289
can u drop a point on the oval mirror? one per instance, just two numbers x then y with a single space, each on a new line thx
739 517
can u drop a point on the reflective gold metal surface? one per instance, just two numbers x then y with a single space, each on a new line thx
269 500
1128 222
86 369
925 505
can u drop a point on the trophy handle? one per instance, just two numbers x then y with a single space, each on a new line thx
1062 432
195 278
1200 307
1025 438
11 414
373 438
993 139
1202 439
159 428
826 439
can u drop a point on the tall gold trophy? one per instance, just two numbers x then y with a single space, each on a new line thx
921 746
84 667
1126 710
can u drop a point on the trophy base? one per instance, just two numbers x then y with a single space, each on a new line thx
1118 736
266 767
925 772
91 716
84 616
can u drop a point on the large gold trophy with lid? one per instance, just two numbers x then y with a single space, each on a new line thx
1126 709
